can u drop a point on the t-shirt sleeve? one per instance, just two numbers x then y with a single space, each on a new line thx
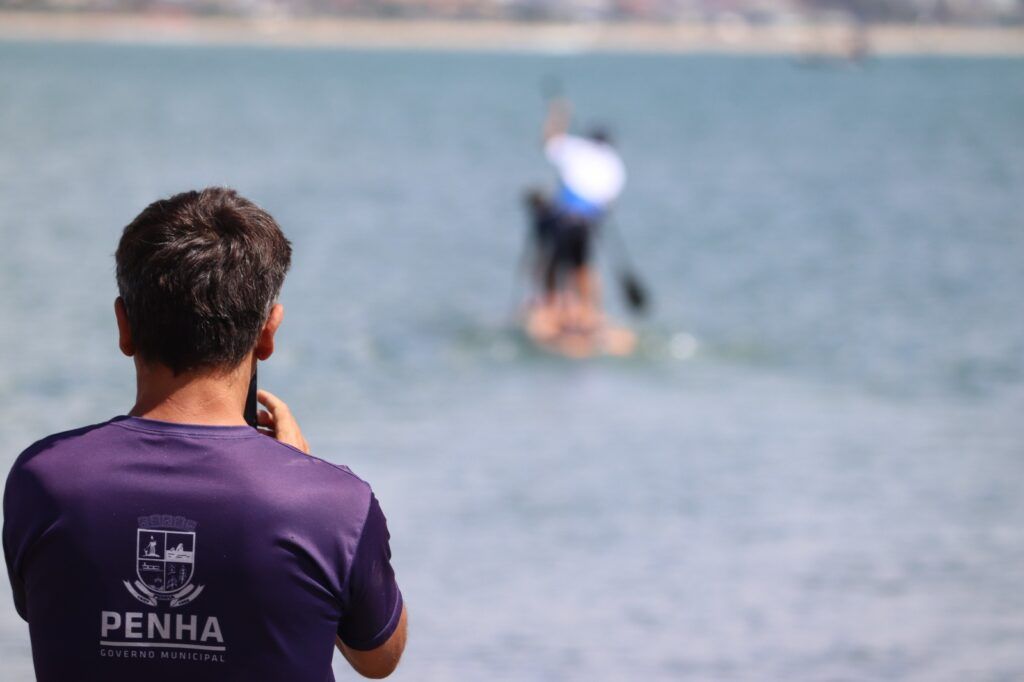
17 584
21 524
373 602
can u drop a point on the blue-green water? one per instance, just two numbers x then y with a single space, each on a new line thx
827 487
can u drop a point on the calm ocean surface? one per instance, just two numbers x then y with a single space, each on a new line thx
814 470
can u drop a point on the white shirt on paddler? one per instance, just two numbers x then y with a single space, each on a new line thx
591 170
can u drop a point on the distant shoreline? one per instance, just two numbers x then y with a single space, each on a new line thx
796 39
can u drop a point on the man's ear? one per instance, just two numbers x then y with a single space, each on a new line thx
265 342
124 330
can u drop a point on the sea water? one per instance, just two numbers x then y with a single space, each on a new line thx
811 469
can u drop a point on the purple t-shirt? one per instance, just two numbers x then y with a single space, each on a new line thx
145 550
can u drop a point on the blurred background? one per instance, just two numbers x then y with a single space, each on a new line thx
763 11
810 469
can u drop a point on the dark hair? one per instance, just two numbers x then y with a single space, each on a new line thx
198 274
600 134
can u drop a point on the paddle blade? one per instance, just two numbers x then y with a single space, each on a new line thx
633 291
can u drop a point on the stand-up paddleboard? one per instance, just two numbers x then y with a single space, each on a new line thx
571 341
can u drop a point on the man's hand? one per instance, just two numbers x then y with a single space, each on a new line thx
277 421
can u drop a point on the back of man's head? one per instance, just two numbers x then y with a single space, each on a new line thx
199 273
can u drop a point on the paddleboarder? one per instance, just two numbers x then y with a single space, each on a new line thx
591 176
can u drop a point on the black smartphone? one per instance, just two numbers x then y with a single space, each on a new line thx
250 401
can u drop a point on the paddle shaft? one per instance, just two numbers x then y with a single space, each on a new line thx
631 287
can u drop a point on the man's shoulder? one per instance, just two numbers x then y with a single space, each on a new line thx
290 480
60 441
279 462
285 458
307 491
48 460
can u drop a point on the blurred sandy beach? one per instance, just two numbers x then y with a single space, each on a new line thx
419 34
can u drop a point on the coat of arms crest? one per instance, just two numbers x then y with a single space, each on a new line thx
165 557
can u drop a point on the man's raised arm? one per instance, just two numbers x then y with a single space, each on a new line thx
371 634
557 121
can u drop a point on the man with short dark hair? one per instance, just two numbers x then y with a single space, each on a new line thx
178 542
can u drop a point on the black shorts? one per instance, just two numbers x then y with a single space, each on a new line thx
572 243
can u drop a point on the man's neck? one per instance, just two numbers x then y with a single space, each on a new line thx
215 398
